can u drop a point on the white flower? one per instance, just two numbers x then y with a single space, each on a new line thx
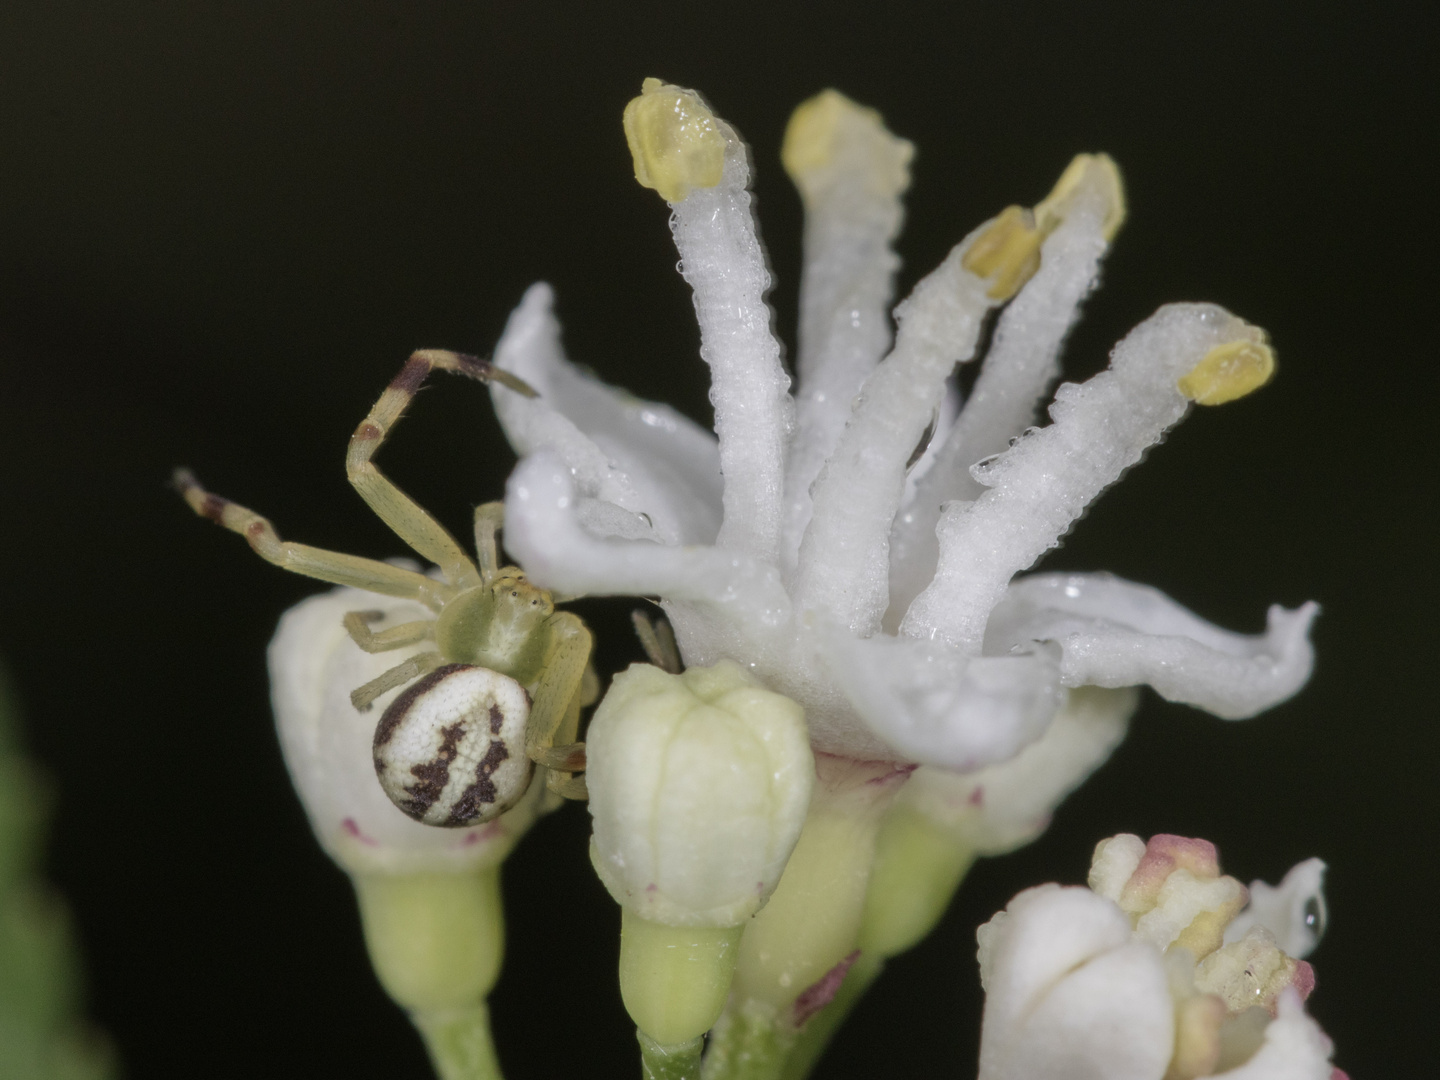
1104 984
329 746
802 539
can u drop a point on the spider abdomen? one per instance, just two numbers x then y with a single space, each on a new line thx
450 750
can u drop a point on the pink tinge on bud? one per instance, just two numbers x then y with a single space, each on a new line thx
1339 1074
1304 979
1164 854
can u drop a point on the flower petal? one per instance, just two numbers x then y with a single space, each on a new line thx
844 564
936 705
1294 1049
1005 806
543 531
639 455
1045 480
328 745
851 173
1021 365
1068 995
1113 632
1294 910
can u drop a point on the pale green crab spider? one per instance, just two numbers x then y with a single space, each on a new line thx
502 689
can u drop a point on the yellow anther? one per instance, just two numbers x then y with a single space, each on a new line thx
675 140
1228 372
825 127
1098 170
1008 252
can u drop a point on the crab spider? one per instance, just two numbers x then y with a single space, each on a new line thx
501 687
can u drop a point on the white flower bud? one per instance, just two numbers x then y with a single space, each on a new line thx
699 784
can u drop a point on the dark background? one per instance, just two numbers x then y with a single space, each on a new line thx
223 226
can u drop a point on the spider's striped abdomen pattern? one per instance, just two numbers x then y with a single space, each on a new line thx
443 747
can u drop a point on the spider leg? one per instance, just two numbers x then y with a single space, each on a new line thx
555 710
489 517
332 566
357 625
362 697
409 521
658 640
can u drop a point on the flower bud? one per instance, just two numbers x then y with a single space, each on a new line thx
429 897
698 787
1104 981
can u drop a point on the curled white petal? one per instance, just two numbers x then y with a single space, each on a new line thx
642 456
1294 1048
844 566
543 531
1069 996
936 705
1003 806
1046 479
328 746
1113 632
1294 910
721 258
1022 363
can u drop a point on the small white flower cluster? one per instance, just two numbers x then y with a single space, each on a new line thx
1149 975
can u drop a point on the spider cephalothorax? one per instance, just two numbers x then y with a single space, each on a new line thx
501 687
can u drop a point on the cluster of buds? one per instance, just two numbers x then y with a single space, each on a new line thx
1149 974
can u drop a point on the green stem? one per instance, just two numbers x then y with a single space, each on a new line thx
459 1043
815 1036
678 1061
747 1044
917 870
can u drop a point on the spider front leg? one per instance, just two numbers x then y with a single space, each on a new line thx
407 518
357 625
332 566
555 711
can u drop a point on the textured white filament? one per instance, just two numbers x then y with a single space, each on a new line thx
1021 365
852 214
721 258
844 566
1044 482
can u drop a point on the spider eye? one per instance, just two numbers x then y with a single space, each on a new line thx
450 750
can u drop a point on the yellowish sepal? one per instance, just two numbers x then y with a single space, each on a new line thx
675 141
674 979
1229 372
